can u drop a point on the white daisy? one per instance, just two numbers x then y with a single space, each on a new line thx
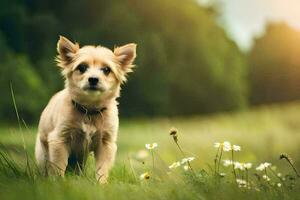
241 181
263 166
247 165
151 146
266 177
226 146
278 184
222 174
227 163
217 144
236 147
188 159
186 167
174 165
238 165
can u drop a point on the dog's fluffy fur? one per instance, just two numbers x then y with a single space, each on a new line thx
65 135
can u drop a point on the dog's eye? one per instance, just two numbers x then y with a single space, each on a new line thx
106 70
82 67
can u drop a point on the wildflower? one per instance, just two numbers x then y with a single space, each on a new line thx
186 160
263 166
227 163
173 133
151 146
247 165
222 174
266 177
174 165
217 144
279 174
186 167
278 184
236 148
226 146
241 182
242 166
238 165
145 176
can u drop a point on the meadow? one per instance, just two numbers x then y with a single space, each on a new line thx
263 133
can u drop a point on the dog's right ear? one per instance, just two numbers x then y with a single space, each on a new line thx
66 51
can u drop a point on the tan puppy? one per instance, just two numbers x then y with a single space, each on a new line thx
84 116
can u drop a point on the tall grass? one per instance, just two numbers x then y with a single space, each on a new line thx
20 178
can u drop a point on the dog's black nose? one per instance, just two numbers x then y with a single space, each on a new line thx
93 80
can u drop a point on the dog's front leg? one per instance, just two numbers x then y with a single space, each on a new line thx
58 155
105 156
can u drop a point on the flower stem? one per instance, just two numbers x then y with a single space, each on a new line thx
152 158
293 167
247 177
232 159
220 160
216 160
183 154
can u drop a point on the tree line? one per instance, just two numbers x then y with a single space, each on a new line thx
186 63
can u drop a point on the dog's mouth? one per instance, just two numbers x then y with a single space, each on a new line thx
93 88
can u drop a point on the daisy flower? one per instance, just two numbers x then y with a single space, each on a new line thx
241 182
266 177
226 146
151 146
247 165
186 167
242 166
278 184
227 163
186 160
222 174
145 176
174 165
263 166
236 147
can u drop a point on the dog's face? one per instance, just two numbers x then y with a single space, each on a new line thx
94 73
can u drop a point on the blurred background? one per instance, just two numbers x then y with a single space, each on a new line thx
194 57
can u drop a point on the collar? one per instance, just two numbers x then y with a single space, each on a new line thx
88 111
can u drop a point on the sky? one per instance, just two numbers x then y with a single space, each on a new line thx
246 19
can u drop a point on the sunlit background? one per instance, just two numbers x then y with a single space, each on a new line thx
245 20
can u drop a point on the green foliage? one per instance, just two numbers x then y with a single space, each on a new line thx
274 64
185 65
17 74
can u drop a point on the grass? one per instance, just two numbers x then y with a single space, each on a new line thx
263 133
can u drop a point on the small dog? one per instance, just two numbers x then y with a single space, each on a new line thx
83 117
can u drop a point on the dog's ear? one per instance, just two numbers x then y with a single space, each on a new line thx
66 51
125 56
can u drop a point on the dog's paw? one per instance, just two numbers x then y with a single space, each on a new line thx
102 179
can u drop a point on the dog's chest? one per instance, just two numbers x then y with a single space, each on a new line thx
89 130
85 137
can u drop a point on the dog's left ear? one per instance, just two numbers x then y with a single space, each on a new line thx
125 56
